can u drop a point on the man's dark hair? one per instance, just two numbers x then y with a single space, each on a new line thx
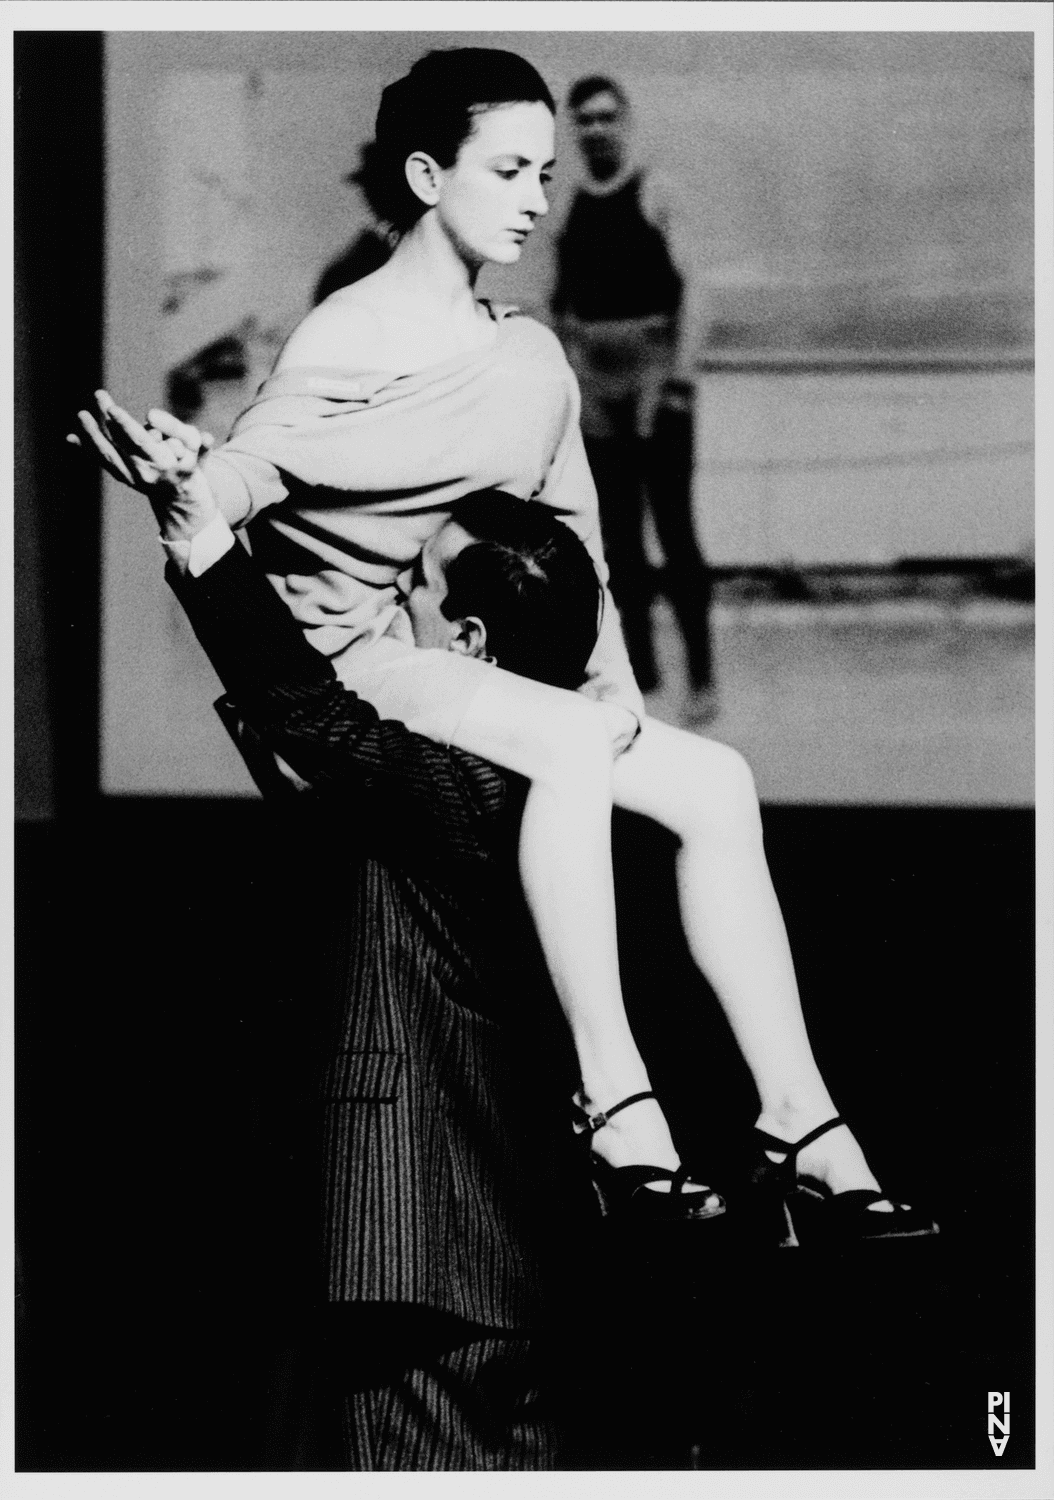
596 83
532 583
433 109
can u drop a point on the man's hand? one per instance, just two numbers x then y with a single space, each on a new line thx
160 460
623 726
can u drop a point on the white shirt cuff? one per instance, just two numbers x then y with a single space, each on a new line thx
203 549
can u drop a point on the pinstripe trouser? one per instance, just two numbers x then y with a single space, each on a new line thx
471 1407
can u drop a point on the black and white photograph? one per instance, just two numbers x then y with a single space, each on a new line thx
631 1058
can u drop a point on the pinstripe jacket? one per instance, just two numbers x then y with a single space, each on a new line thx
429 1191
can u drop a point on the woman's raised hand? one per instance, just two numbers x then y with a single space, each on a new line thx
160 460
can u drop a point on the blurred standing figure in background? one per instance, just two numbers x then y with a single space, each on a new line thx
618 305
368 251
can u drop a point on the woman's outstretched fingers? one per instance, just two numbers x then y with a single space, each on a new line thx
171 426
105 451
132 439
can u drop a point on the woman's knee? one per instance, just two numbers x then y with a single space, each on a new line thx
722 796
691 785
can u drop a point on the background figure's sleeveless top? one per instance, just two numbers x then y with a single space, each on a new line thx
612 262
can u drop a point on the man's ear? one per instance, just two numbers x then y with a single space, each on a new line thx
469 637
423 173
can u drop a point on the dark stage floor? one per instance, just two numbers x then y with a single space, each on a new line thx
157 1161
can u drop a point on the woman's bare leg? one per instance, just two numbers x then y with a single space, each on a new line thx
704 793
565 866
562 743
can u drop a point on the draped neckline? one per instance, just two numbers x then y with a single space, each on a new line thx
350 384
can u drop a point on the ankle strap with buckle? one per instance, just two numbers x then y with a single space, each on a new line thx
592 1123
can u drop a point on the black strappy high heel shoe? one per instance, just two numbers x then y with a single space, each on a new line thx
807 1210
623 1192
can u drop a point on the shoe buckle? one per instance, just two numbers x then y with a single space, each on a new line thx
585 1124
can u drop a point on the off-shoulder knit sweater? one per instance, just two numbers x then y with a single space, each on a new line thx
341 476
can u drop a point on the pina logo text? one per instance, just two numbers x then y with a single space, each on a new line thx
998 1399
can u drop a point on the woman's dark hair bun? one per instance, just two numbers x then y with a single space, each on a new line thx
432 109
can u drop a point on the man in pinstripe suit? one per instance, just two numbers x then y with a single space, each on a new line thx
428 1162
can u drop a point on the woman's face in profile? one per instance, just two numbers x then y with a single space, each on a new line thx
491 198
